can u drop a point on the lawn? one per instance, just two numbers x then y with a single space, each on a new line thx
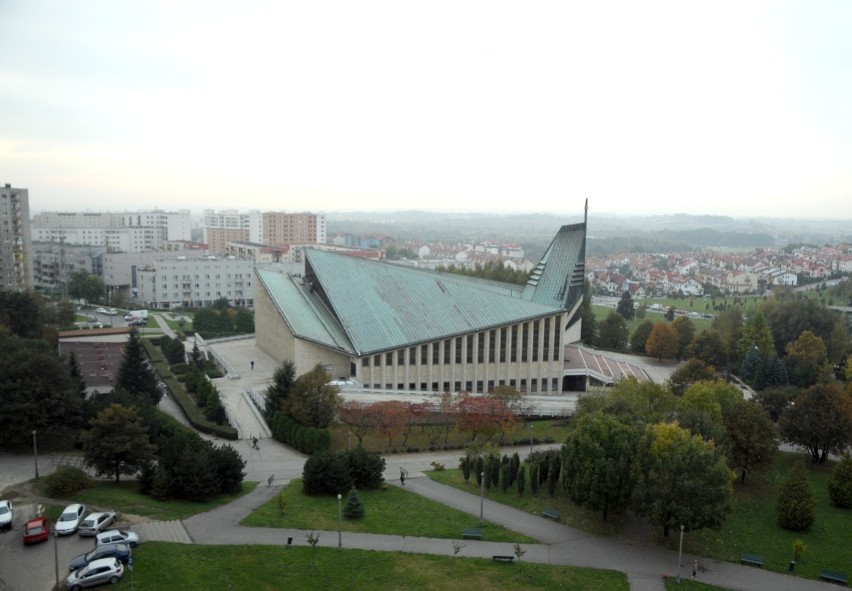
572 515
393 511
124 497
430 438
167 566
753 526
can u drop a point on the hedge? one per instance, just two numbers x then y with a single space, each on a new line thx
190 410
308 440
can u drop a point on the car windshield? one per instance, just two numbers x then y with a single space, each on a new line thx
4 509
36 529
70 516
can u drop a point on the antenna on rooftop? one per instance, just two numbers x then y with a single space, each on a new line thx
586 213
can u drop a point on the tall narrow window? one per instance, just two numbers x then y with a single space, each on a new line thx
535 339
447 351
525 341
480 351
546 353
492 345
514 348
503 343
459 348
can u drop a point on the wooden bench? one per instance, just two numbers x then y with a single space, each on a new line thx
502 558
471 533
551 513
751 559
834 577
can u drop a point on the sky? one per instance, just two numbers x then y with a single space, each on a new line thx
738 108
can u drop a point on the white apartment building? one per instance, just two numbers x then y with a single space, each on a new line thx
16 252
138 239
199 282
119 269
231 219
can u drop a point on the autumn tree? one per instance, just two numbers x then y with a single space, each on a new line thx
484 415
680 480
313 400
613 332
819 421
597 461
117 442
358 417
663 341
752 440
388 417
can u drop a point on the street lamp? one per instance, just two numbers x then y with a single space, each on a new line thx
530 427
679 554
481 495
35 454
55 555
339 522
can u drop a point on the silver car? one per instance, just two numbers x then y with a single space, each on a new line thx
95 523
98 572
70 519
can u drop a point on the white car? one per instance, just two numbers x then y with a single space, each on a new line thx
5 514
116 535
98 572
111 312
70 519
101 310
95 523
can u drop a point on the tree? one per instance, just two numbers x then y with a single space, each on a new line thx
680 480
359 418
791 317
313 401
708 347
775 399
117 442
597 461
483 415
613 332
807 359
687 374
640 336
796 501
134 376
282 383
663 341
752 440
685 332
625 306
820 421
78 383
85 286
840 483
588 322
755 336
729 324
389 418
354 508
21 312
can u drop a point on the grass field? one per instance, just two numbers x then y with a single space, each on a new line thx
392 511
165 566
751 527
125 497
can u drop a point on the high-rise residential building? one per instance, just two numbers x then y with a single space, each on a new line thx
16 261
119 232
293 228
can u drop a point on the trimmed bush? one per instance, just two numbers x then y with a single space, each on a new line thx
840 483
65 481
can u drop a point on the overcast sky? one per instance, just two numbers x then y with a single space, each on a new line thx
737 108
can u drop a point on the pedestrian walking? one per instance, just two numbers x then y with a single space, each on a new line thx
252 365
694 569
402 476
254 442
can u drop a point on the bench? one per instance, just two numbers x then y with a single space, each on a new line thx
751 559
471 533
551 513
502 558
834 577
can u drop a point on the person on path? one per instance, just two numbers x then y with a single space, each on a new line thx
254 442
402 476
694 569
252 365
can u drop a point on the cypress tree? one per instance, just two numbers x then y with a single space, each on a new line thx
354 508
840 483
796 501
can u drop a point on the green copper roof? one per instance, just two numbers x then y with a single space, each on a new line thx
365 307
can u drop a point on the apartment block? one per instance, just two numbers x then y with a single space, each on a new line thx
16 262
188 283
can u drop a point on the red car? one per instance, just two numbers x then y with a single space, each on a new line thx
36 530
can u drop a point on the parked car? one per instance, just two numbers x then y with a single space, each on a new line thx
111 312
36 530
116 535
95 523
70 519
101 310
5 514
98 572
120 551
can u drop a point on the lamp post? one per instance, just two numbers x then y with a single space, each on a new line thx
55 556
481 496
530 427
679 554
339 522
35 454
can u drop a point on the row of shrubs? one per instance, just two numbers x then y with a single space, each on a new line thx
336 473
308 440
190 410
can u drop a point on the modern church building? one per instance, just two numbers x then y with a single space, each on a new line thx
391 327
